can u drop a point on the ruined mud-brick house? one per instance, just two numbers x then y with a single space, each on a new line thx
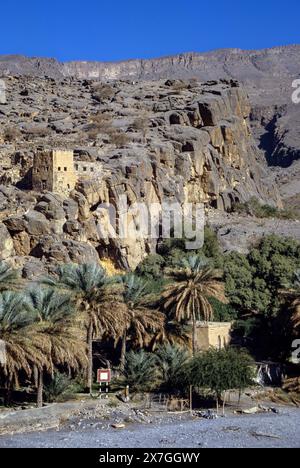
56 171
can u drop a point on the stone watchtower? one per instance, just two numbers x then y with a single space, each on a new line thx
53 170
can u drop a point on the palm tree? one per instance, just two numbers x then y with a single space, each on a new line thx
296 312
172 333
58 324
24 347
186 298
292 296
140 371
295 303
97 299
172 362
10 279
142 320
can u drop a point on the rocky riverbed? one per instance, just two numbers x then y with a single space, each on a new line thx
259 430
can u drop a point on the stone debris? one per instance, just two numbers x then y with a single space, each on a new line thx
258 409
209 414
118 425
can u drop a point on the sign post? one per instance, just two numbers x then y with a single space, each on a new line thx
103 377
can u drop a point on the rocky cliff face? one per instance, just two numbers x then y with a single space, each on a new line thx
161 141
267 76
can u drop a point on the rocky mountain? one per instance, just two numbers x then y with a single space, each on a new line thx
266 74
155 141
194 137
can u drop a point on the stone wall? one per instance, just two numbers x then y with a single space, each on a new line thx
42 171
88 170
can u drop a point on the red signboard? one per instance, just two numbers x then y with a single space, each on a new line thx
103 375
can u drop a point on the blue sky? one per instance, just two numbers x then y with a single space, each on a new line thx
117 30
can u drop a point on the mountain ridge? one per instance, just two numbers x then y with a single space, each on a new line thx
267 75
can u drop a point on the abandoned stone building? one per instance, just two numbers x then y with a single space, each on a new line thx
56 171
212 335
87 169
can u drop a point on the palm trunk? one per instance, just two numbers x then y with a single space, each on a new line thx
224 402
194 335
194 326
40 389
90 359
123 351
7 397
36 376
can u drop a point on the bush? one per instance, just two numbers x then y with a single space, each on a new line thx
11 134
211 247
255 208
173 250
173 365
222 370
253 281
151 267
103 92
222 312
140 371
141 125
119 138
61 388
100 123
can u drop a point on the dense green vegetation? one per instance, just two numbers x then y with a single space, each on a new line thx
254 288
144 321
173 369
255 208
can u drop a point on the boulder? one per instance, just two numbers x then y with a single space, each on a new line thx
37 223
21 241
15 224
6 243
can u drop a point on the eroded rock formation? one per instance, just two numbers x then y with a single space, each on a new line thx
160 141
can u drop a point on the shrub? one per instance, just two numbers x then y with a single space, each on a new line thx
100 123
37 132
140 371
151 267
255 208
11 134
253 281
103 92
173 365
61 388
222 312
222 370
119 138
173 250
211 247
141 125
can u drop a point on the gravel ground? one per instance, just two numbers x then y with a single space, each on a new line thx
259 430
